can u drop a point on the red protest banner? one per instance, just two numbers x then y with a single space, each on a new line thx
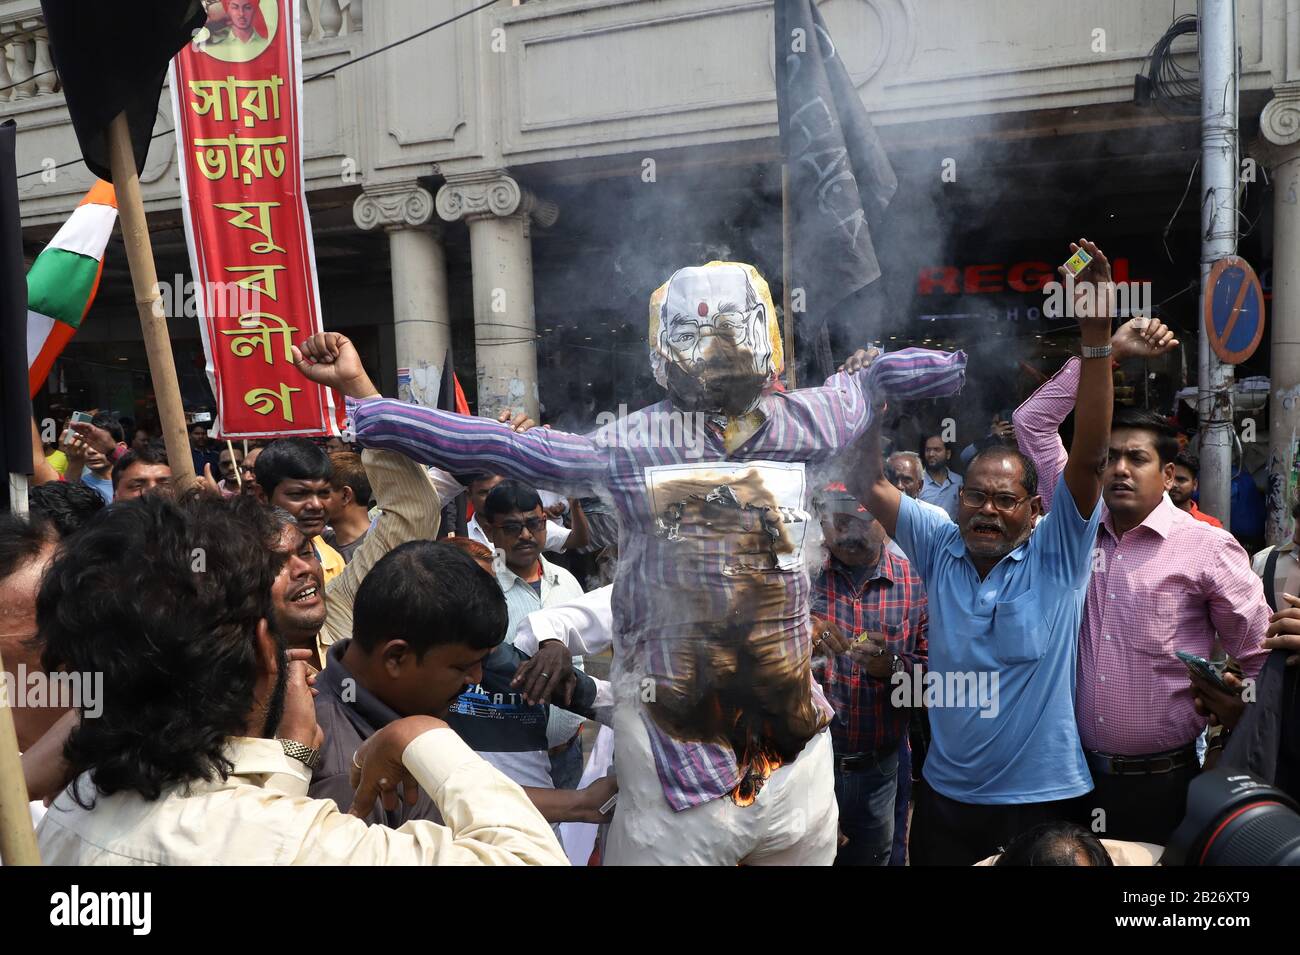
237 97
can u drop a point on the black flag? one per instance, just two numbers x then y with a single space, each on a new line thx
15 399
113 57
840 178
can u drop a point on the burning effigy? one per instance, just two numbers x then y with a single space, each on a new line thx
714 691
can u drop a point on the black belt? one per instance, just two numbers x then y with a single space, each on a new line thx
1153 764
859 761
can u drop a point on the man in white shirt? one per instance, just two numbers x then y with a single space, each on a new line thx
215 769
515 519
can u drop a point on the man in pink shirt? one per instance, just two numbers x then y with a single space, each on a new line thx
1162 581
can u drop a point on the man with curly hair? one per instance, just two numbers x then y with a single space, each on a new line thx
203 751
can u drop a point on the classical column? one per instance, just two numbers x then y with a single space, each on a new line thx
505 332
421 312
1279 124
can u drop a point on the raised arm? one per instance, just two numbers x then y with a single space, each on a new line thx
42 471
1038 423
1096 398
454 442
866 479
1038 420
410 509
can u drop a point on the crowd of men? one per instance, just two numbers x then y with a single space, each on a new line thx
308 623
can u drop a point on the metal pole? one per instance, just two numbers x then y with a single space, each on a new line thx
1217 41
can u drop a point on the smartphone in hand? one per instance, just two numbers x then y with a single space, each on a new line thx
1199 666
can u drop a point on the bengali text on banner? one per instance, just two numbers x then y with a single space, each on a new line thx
237 96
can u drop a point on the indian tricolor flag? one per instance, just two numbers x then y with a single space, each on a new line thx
61 283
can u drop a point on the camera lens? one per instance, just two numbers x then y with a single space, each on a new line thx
1235 819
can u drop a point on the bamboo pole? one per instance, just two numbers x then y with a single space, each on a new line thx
239 478
786 258
17 838
148 301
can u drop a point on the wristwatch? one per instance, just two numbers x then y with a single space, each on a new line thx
304 754
896 664
1097 351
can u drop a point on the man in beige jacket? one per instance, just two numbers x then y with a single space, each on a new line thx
204 748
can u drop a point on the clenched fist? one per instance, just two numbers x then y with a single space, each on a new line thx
330 359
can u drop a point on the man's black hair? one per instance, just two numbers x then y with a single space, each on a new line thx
1056 844
111 424
22 540
1029 473
173 631
428 594
1185 459
65 505
153 453
1139 419
510 496
286 459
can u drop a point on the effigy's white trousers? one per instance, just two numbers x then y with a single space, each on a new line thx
793 821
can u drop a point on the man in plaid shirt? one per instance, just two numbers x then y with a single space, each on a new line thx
869 622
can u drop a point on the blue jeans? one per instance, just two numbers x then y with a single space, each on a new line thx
866 799
899 855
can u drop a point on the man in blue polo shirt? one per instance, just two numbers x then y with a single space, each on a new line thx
1005 610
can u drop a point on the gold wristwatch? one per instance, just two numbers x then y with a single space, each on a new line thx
304 754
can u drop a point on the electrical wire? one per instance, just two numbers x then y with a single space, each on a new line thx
1175 90
315 76
413 36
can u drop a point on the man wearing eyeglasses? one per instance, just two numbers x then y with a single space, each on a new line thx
1163 582
1004 609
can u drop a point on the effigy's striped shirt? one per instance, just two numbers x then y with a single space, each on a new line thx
712 592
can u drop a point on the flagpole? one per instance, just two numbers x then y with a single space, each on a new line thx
786 255
17 837
148 300
239 478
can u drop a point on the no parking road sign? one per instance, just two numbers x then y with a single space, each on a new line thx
1234 310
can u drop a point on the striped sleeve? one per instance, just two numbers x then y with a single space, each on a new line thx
463 443
845 408
1038 422
913 373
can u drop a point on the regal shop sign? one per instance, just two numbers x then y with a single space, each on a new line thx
939 285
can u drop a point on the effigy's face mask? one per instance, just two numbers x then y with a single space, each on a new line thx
714 338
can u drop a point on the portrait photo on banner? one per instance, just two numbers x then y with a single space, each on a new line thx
237 31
